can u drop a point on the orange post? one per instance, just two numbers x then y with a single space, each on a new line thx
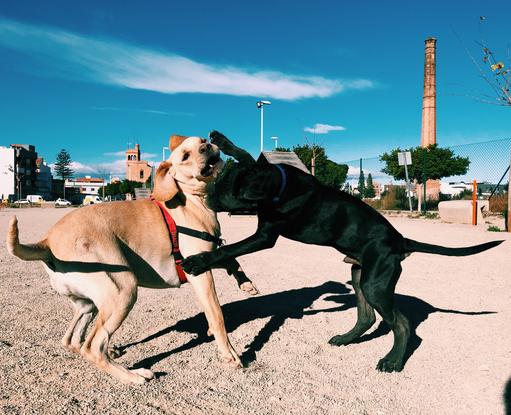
509 203
474 203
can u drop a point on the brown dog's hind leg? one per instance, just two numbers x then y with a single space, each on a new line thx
365 313
378 281
116 305
85 311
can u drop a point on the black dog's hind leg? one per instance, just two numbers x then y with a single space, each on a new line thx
378 281
365 313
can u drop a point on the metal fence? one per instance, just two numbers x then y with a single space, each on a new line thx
489 161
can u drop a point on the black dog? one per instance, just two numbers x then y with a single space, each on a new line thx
295 205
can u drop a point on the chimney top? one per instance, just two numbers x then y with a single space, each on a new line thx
430 39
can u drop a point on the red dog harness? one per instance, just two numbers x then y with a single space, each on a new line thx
173 233
176 253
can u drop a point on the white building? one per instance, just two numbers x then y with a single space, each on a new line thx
454 188
44 179
7 179
87 185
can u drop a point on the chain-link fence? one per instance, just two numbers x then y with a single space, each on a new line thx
489 161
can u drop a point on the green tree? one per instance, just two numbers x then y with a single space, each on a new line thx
431 162
327 171
283 149
63 167
369 191
361 184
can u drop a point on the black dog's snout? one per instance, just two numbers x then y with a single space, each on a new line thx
204 148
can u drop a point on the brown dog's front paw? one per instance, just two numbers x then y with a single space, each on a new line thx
233 361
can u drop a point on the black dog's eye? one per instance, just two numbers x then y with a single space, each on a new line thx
186 156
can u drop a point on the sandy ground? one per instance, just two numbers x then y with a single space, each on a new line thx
461 361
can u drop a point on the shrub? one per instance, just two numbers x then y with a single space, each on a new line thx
498 203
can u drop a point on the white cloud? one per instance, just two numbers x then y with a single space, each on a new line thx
117 167
143 110
324 128
116 63
120 153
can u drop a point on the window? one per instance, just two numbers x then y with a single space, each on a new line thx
141 174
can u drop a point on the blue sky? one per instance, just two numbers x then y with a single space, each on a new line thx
92 76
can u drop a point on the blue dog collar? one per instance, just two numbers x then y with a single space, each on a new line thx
283 183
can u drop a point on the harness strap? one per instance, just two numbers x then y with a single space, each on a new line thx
201 235
176 253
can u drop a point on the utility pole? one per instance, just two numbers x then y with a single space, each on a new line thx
313 160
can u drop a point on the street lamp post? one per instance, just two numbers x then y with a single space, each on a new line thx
276 139
163 153
260 105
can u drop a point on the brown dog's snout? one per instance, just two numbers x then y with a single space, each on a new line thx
206 147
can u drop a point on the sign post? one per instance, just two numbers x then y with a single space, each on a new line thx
405 158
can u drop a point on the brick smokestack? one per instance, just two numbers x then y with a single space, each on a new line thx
428 131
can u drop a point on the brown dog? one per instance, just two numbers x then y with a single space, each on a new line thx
97 256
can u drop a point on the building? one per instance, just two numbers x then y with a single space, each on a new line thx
43 179
86 185
18 171
428 128
137 170
7 177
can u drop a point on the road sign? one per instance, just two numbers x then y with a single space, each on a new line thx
404 158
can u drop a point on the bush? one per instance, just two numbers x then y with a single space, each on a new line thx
395 199
493 228
498 203
374 203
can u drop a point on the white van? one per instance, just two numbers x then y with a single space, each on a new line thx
35 199
91 200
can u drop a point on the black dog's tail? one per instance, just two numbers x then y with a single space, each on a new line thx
415 246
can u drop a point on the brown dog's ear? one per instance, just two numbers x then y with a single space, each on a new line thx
176 140
165 187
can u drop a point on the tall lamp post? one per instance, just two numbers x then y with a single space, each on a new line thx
163 153
260 105
276 139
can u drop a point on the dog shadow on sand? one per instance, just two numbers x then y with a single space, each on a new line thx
291 304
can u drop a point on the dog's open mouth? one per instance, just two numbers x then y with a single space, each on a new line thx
210 165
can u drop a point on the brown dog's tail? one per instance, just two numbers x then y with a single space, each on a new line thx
32 252
415 246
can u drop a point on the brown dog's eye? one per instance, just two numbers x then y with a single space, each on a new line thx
186 156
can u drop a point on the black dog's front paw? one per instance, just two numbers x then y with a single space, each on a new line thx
387 364
219 139
195 264
339 340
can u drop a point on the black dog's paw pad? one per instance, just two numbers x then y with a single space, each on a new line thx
389 365
339 341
